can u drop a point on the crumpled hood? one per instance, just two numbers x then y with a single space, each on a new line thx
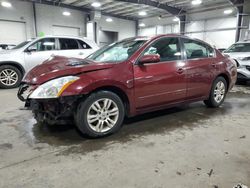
238 56
61 66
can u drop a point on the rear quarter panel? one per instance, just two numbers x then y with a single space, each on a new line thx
226 66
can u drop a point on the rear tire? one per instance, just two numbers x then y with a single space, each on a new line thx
10 77
218 93
100 114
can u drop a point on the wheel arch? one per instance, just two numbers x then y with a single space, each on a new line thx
15 64
226 77
122 94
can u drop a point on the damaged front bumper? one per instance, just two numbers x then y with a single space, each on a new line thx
60 110
53 111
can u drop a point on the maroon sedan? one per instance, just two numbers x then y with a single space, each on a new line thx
127 78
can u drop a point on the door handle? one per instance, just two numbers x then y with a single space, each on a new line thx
180 70
81 53
213 65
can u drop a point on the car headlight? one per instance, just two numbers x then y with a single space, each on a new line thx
53 88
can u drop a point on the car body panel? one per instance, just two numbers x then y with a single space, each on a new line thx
200 74
60 66
159 83
118 76
31 59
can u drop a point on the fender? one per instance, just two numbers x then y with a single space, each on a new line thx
13 63
89 85
83 88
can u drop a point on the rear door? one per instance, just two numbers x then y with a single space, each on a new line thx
200 68
85 49
164 81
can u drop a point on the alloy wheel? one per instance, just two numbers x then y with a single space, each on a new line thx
219 91
8 77
102 115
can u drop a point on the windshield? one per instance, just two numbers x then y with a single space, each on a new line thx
21 44
117 52
239 47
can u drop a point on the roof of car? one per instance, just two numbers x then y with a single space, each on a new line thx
167 35
89 41
164 35
158 36
62 36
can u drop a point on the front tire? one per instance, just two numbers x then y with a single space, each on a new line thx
217 93
101 114
10 77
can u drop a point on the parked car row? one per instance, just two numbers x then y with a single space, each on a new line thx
19 60
126 78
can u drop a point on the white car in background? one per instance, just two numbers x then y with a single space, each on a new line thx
240 52
16 62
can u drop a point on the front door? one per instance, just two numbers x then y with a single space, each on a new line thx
162 82
38 52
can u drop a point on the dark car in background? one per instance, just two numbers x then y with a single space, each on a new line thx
127 78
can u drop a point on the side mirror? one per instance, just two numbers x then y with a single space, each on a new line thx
152 58
31 49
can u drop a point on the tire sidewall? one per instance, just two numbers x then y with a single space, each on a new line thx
19 74
82 110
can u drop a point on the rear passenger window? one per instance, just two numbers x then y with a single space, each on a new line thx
83 45
68 44
196 49
167 48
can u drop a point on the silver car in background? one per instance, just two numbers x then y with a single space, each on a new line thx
240 52
16 62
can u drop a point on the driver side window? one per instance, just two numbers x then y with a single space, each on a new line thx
46 44
167 48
